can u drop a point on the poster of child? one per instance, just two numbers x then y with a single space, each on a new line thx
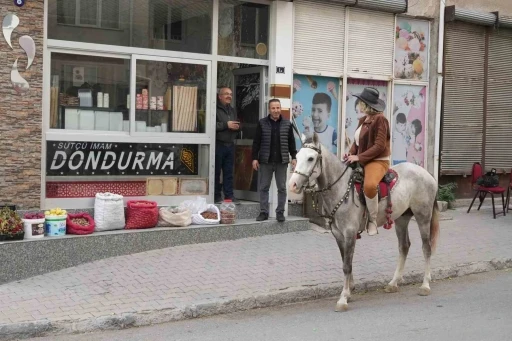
356 86
408 124
315 109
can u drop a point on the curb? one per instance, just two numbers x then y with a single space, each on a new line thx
286 296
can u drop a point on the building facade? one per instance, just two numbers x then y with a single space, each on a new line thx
120 96
476 118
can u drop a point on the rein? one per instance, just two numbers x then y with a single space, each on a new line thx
314 193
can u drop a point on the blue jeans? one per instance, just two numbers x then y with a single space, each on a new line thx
224 161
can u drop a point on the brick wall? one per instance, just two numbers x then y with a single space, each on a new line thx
21 114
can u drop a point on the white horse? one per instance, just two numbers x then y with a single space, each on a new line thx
413 195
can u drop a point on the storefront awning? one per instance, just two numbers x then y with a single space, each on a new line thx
453 13
392 6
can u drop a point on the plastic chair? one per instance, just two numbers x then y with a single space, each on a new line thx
481 191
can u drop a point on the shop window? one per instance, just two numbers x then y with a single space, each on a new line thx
89 93
94 13
243 29
170 97
174 25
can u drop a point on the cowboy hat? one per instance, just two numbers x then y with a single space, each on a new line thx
370 96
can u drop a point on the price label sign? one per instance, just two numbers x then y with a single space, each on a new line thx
19 3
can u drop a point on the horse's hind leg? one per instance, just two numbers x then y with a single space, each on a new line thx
424 225
402 232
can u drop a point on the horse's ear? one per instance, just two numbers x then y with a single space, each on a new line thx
308 139
316 141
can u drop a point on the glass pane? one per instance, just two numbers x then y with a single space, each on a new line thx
66 12
89 93
110 13
243 29
247 93
88 12
176 25
170 97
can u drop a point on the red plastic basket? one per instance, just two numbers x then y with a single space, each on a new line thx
141 214
72 228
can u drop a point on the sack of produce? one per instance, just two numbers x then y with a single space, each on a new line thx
141 214
108 212
79 223
174 216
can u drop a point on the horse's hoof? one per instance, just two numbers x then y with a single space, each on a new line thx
391 288
341 307
424 291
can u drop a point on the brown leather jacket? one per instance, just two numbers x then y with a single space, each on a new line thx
374 139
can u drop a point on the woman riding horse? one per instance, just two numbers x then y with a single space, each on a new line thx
371 148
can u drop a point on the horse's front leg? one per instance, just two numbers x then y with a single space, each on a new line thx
349 243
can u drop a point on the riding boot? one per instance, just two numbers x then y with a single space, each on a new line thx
373 209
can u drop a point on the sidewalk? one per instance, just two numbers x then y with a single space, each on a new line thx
206 279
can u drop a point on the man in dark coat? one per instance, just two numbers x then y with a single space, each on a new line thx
227 129
271 149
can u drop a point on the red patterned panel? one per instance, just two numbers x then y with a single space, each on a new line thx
88 189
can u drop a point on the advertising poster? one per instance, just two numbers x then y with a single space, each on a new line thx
411 49
408 124
315 109
356 86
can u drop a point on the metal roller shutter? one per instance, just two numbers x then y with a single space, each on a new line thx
498 137
319 33
371 42
462 122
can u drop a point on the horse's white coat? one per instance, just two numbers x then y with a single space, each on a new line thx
414 194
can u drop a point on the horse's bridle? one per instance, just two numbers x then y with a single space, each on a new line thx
318 160
310 189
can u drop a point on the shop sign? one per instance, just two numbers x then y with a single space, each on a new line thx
70 158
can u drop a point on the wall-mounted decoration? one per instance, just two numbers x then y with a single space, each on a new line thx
70 158
193 186
162 186
411 49
29 46
18 82
9 24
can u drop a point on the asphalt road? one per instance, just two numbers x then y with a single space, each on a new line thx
476 307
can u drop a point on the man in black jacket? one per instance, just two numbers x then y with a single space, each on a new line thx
227 129
271 149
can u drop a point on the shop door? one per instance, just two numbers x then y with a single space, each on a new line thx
249 97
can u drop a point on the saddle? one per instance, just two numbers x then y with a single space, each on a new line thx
386 185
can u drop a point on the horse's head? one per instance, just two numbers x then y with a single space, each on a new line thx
309 165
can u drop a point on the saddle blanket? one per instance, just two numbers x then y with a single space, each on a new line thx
386 184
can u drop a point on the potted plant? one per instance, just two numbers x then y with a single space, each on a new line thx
11 225
446 193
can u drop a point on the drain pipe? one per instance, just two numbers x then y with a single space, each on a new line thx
439 99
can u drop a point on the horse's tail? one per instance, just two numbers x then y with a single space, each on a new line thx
434 227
